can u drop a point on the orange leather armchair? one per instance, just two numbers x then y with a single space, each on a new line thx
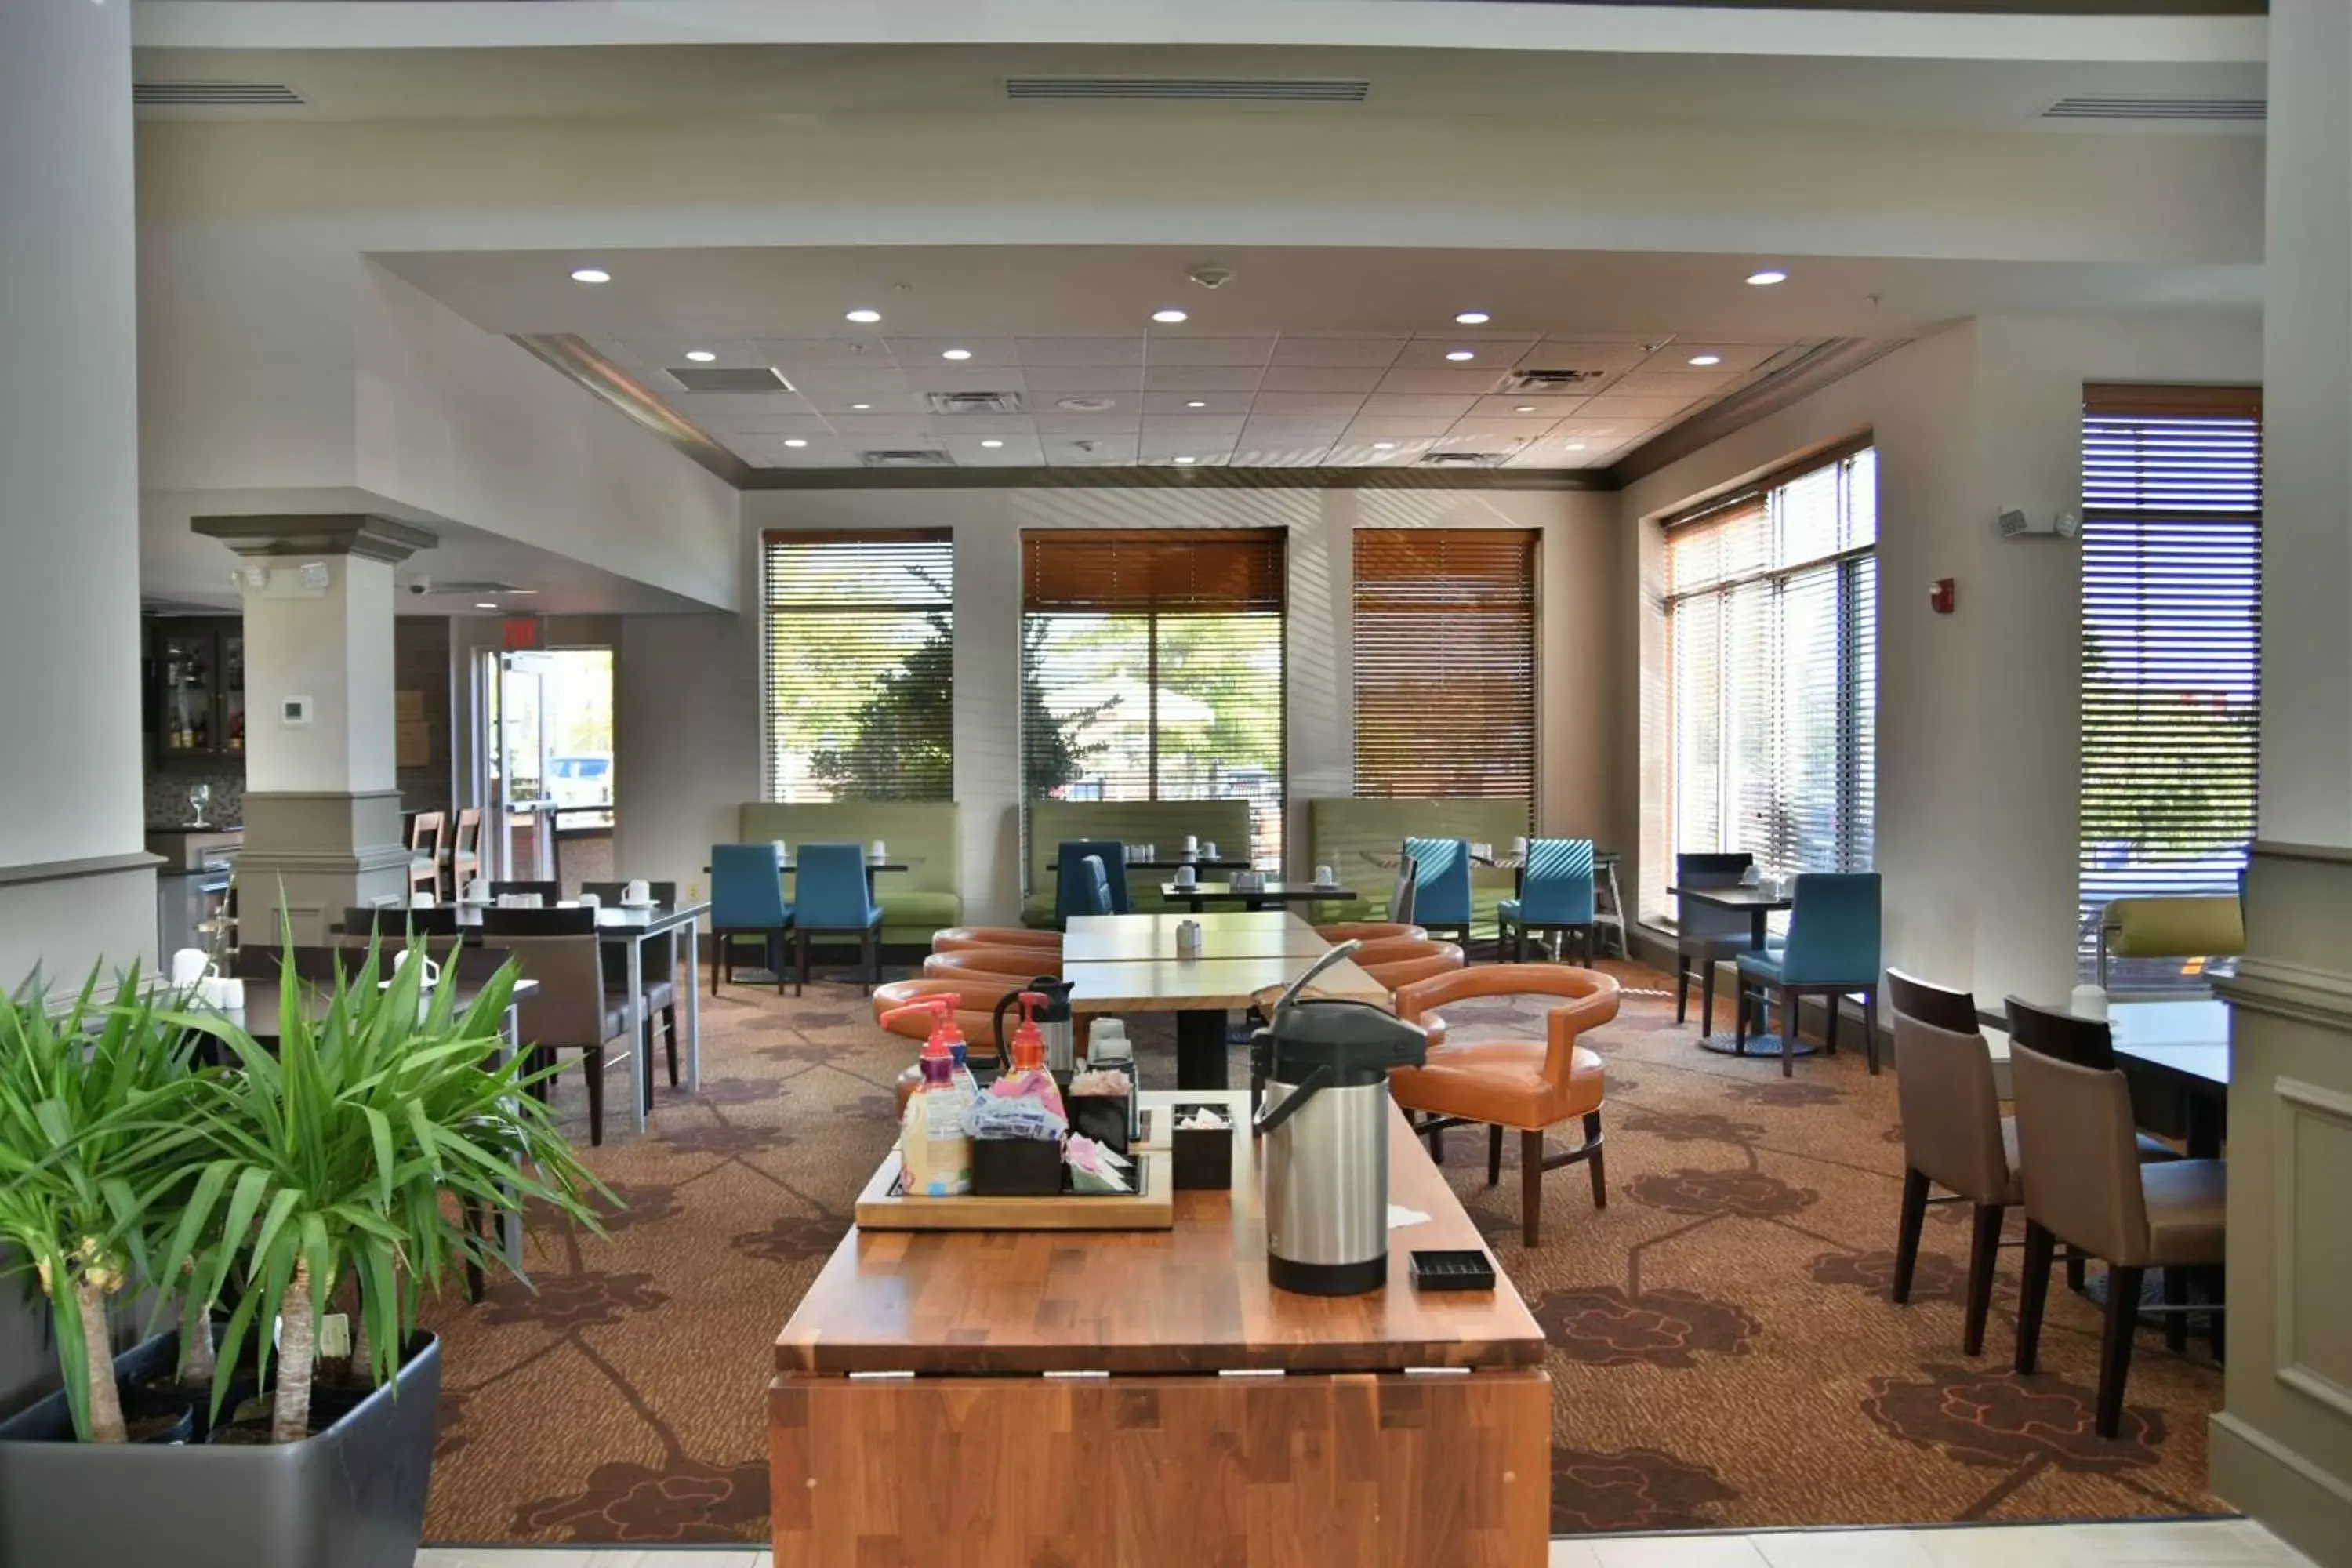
1528 1085
964 939
1014 966
1402 961
1369 930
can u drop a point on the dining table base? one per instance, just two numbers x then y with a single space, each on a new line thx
1200 1047
1724 1043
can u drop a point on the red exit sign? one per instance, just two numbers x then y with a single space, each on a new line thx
523 634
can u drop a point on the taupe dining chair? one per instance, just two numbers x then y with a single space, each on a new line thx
571 1009
2086 1185
1954 1135
658 967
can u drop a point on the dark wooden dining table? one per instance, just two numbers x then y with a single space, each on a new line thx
1758 906
1196 896
2184 1046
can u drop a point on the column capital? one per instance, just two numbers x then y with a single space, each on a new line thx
359 533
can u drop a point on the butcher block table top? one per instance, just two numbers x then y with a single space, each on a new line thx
1192 1299
1129 939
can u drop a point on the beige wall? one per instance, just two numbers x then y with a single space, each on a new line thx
689 698
1978 754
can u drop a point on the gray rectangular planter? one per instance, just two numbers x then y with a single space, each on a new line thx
349 1496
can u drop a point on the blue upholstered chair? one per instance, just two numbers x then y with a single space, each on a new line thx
1095 878
747 898
833 897
1074 888
1555 897
1441 885
1704 932
1831 952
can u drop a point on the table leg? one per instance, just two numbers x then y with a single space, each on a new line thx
510 1217
2208 1115
1200 1048
641 1090
1767 1043
693 1008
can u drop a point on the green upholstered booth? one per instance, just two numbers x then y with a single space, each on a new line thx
1343 832
922 834
1164 823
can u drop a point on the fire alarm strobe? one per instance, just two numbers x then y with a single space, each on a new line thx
1939 596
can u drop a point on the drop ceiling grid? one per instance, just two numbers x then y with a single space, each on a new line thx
1260 399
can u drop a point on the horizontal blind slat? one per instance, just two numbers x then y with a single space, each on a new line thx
1444 663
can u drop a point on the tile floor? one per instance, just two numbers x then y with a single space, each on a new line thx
2207 1543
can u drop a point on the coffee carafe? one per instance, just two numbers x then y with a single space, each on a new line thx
1325 1131
1055 1022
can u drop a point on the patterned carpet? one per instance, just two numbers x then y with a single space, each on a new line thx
1723 1353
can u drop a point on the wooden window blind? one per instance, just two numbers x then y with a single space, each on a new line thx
1445 663
1151 669
858 665
2171 685
1772 629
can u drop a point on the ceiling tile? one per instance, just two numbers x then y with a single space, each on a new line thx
1516 430
877 431
809 353
1159 349
1467 380
1380 404
1397 427
903 404
1200 378
1126 415
1089 451
1379 353
966 378
983 424
983 351
1085 378
1190 428
1285 404
1527 405
1253 453
849 379
1312 378
1021 450
1286 432
1584 353
1355 452
1034 352
1429 353
1690 385
1735 357
1608 406
774 424
1230 405
697 406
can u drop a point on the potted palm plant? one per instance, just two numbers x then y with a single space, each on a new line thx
348 1160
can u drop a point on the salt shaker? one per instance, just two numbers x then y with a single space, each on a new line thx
1188 939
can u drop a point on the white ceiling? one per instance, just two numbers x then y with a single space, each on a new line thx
1306 357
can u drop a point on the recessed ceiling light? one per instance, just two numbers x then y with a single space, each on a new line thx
1473 317
1188 460
484 605
860 408
955 353
795 441
591 275
1084 405
1382 445
1459 354
700 357
1524 408
1171 316
862 316
991 445
1197 403
1703 360
1576 445
1767 276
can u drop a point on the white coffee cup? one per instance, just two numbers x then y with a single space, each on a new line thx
420 900
1192 845
591 901
432 974
190 965
232 994
638 893
878 850
1519 847
1210 849
1323 877
477 891
532 901
213 991
1106 1042
1185 876
783 852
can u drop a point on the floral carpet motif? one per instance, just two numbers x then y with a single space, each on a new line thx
1723 1353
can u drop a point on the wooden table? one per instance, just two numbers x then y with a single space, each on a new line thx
1201 991
1269 893
1757 905
630 929
2184 1046
1001 1399
1231 934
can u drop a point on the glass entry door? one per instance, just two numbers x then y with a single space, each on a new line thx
520 847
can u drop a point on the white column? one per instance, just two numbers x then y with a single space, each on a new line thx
2282 1446
76 882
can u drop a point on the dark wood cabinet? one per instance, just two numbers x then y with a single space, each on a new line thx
196 687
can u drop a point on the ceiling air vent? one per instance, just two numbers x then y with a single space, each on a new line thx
1460 460
1551 380
2096 107
975 402
907 458
708 378
213 95
1185 89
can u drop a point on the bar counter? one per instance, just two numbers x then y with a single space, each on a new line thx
1008 1398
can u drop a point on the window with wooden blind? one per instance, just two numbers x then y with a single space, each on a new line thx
1151 669
1445 663
2172 524
1771 634
858 665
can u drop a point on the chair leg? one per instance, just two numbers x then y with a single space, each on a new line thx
1595 1158
2175 1282
1906 1234
2077 1275
717 956
1788 1033
1707 996
1494 1155
1681 989
799 964
1738 1011
643 1070
2116 1345
1870 1029
1531 1172
593 1064
1984 1247
2032 1293
669 1036
1829 1027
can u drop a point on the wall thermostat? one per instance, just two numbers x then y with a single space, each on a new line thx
294 713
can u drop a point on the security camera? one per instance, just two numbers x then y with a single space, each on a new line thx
420 585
